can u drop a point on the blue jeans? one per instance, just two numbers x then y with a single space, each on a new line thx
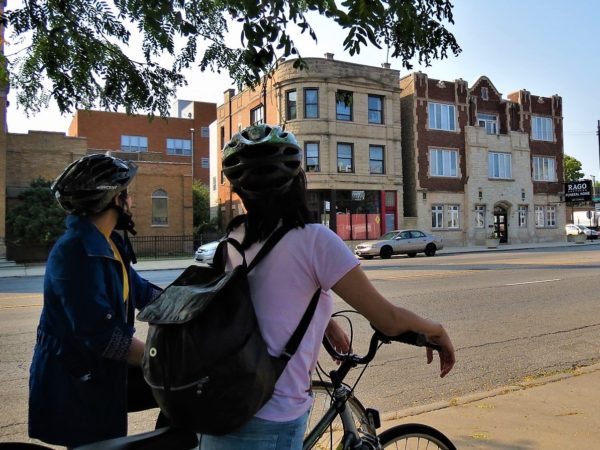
259 434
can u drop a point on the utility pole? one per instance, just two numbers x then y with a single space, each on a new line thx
192 134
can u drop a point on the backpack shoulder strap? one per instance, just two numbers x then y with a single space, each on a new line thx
220 258
296 338
268 246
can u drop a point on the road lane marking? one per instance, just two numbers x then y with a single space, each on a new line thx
532 282
21 306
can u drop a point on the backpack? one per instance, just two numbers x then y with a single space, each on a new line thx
205 358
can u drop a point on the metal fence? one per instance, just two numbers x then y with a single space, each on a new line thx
169 246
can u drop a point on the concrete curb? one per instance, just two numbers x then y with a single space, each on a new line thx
471 398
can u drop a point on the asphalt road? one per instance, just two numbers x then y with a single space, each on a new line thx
512 315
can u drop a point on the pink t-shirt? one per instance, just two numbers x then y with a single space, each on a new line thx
282 285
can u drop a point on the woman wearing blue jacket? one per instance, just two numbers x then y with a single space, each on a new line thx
78 375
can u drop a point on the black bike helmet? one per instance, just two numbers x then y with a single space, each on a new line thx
262 159
88 185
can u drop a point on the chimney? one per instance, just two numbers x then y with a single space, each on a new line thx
386 65
329 56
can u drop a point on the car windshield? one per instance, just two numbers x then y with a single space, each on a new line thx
388 235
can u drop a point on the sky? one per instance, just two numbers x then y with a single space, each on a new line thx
545 46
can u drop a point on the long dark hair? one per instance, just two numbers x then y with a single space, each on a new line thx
264 214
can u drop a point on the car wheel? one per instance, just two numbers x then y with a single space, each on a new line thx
430 250
412 254
386 252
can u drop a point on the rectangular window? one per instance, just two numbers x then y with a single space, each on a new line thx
375 109
311 150
134 143
344 157
204 132
500 165
437 216
443 163
550 216
484 93
343 105
452 216
442 117
376 162
181 147
311 103
523 216
539 217
205 163
489 122
541 128
257 115
479 216
290 105
543 169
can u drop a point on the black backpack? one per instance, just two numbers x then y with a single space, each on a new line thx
205 358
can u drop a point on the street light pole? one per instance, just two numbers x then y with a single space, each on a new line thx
593 196
192 132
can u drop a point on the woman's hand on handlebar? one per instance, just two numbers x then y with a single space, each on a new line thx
447 358
337 337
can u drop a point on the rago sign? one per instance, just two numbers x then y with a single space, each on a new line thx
578 191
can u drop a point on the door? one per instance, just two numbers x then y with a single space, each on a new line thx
501 224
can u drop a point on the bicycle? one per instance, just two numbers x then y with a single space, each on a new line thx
356 426
351 426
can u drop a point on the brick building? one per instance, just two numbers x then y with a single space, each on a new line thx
347 119
476 164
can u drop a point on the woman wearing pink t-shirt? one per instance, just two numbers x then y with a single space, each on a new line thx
263 165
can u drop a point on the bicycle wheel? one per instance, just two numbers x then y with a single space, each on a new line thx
415 436
321 391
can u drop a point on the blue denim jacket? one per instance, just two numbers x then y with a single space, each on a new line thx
78 375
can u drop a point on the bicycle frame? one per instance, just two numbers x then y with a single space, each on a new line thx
340 395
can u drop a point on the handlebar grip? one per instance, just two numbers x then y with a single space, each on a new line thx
411 338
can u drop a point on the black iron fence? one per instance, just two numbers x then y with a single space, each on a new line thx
169 246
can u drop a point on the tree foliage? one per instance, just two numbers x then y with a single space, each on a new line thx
572 169
81 46
37 218
201 201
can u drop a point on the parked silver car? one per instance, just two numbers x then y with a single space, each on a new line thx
206 252
573 230
396 242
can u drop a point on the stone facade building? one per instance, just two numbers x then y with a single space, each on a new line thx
347 119
477 165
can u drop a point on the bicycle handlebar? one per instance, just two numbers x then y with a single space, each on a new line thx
408 337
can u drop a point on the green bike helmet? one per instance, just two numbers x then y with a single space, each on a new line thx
88 185
262 160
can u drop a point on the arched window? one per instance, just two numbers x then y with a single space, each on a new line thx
160 211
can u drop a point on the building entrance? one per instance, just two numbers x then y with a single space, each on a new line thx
501 224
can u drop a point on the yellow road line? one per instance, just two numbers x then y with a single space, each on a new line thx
402 276
19 297
21 306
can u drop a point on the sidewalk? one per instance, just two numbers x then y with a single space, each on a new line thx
554 412
32 270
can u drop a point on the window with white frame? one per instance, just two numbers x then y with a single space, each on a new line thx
479 216
181 147
485 93
452 216
376 162
375 109
311 103
489 122
134 143
344 158
544 169
550 216
443 163
437 216
523 216
257 115
311 150
442 116
205 163
539 217
499 165
541 128
160 208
